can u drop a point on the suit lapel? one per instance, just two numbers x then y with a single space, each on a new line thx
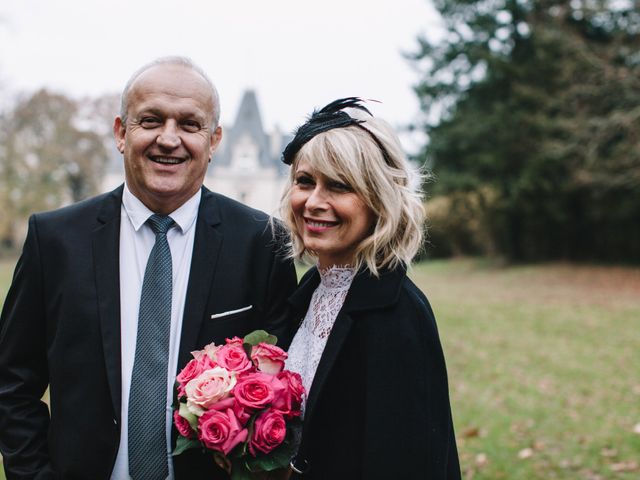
106 248
206 248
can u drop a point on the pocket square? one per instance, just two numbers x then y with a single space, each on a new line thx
231 312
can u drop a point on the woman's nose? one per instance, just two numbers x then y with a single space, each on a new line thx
317 198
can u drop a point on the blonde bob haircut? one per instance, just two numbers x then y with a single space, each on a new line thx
388 185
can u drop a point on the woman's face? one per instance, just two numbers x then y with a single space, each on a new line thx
331 218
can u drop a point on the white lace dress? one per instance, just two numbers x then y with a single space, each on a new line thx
309 342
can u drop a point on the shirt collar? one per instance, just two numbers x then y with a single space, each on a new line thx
138 213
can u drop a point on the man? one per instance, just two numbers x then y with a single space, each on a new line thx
111 295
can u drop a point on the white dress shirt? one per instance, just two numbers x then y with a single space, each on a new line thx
136 241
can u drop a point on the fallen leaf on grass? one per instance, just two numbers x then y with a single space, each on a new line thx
525 453
629 466
589 475
538 445
608 452
573 464
471 432
481 459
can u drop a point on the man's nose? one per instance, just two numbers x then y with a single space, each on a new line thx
169 136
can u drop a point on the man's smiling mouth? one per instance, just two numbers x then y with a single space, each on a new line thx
166 160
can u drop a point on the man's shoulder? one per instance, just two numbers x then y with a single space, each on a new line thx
234 210
82 210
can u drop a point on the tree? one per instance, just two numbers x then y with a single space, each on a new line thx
538 105
46 159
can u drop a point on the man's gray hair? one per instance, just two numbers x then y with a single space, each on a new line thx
171 60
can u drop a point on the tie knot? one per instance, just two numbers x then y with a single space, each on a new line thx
160 223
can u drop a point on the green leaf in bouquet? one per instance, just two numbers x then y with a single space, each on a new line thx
277 458
183 444
260 336
239 470
188 416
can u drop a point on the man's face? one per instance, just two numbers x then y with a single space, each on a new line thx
168 137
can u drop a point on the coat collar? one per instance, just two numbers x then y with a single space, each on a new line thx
106 251
366 292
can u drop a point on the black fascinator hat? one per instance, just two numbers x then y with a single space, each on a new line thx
327 118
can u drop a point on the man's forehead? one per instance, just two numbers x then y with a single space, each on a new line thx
171 76
177 81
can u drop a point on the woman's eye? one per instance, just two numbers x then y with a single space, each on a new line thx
341 187
303 180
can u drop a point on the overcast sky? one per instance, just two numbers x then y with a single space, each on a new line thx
296 54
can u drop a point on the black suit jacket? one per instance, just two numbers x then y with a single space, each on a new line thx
378 407
60 326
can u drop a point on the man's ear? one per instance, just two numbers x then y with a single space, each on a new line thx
119 132
216 136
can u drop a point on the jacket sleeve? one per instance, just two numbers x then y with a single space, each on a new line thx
408 429
24 417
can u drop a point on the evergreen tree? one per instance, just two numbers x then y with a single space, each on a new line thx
538 115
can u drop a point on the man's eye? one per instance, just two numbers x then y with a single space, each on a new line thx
150 122
191 126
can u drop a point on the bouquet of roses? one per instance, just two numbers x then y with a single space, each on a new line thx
238 402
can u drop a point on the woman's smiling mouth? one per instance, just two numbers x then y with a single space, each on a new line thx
318 225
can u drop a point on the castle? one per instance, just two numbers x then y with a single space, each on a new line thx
246 166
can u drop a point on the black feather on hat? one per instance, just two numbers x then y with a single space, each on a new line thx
327 118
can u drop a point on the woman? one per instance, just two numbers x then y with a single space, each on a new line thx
367 347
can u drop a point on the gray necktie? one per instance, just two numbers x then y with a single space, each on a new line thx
148 395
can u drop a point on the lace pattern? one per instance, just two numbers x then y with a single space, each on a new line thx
309 342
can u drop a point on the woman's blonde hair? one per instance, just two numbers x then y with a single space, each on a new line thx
370 159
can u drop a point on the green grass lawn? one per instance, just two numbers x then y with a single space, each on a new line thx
543 366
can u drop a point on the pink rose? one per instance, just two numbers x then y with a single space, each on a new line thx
191 370
242 414
220 430
289 402
269 431
207 388
268 358
236 341
255 391
233 358
182 425
208 350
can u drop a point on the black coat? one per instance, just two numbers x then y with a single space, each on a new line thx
379 404
60 325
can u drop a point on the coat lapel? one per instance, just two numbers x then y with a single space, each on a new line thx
206 248
332 349
366 293
300 301
106 251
